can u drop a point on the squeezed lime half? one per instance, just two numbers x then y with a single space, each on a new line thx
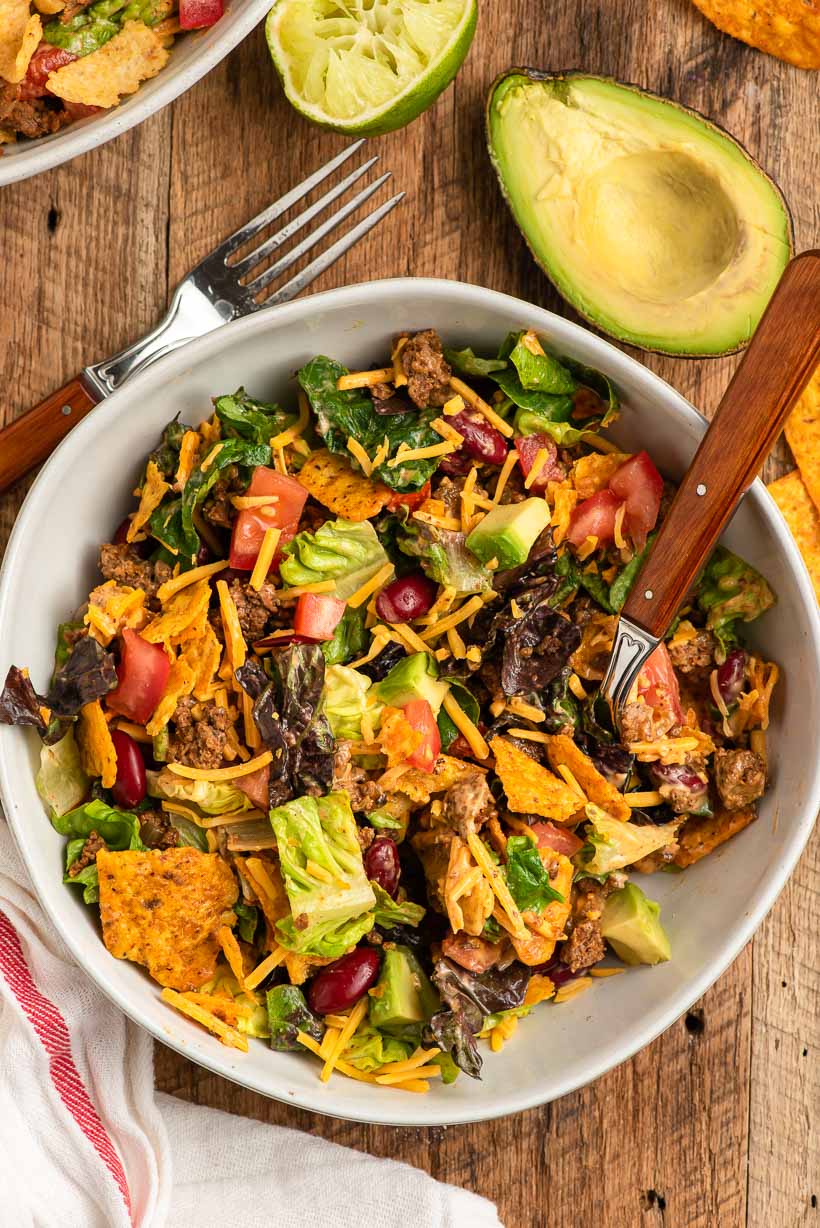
368 66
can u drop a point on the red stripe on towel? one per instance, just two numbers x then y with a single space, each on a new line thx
51 1028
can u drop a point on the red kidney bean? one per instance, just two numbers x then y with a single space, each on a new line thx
406 598
340 985
381 863
683 778
481 441
129 787
730 676
456 464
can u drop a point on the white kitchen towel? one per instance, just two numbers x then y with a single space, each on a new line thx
85 1141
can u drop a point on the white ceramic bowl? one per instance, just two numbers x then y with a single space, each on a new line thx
193 54
710 911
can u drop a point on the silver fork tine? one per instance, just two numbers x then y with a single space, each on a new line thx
311 271
255 257
295 253
280 206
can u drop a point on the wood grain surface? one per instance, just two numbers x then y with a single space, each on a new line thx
715 1125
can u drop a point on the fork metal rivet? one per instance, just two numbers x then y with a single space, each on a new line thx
700 489
66 411
649 594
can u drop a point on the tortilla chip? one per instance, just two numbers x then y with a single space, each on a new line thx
592 473
20 34
700 836
111 607
788 29
562 752
300 967
203 654
182 617
268 886
336 485
49 7
397 737
154 488
97 754
100 79
531 788
163 908
188 455
420 786
802 431
181 681
801 515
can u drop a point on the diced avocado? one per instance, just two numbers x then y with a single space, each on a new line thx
631 925
414 677
507 533
654 223
403 994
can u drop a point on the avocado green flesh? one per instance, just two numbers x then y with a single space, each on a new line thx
631 925
653 223
507 533
405 994
410 680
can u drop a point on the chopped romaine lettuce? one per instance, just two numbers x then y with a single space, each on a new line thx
349 638
469 364
468 704
244 418
731 591
391 912
346 551
330 898
61 781
540 372
346 697
210 796
369 1048
288 1014
120 829
527 878
444 556
612 844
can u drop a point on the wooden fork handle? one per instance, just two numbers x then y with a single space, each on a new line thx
775 369
30 439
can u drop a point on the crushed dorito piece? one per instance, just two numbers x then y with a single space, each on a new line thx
531 788
701 835
592 473
102 78
181 681
111 607
334 483
563 752
788 29
154 488
420 786
164 909
186 611
97 754
20 32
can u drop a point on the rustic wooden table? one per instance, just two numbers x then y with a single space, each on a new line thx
715 1125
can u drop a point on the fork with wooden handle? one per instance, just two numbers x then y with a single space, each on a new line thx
775 369
219 289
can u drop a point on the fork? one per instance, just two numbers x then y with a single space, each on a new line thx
212 294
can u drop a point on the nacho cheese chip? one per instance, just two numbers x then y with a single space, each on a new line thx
181 681
186 611
164 909
111 607
20 34
203 654
97 754
802 432
531 788
334 484
801 515
788 29
592 473
562 752
154 487
103 77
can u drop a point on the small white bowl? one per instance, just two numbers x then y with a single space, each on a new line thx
710 911
193 54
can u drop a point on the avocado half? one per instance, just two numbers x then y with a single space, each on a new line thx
654 223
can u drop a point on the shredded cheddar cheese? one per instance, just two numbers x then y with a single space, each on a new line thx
211 457
292 433
364 379
188 449
405 454
228 773
530 735
355 1017
264 558
503 477
541 458
370 586
228 1035
399 377
452 620
234 639
498 883
520 707
267 966
448 432
358 453
170 587
480 406
620 540
650 797
466 727
231 951
589 547
452 407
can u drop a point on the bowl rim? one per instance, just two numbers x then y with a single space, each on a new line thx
677 1002
44 154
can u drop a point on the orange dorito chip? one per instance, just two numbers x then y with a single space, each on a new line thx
397 737
20 32
562 752
181 681
802 431
103 77
203 654
97 754
186 612
111 607
592 473
336 485
700 836
154 488
788 29
164 909
531 788
792 497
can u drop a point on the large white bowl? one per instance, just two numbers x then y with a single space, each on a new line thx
194 53
710 911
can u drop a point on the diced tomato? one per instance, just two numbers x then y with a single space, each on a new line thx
255 786
251 524
528 447
595 517
142 675
559 839
196 14
46 59
419 716
318 615
640 485
658 684
411 499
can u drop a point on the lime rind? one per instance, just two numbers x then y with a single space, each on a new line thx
363 67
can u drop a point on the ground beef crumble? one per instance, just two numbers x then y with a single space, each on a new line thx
740 776
585 945
88 854
122 564
157 831
364 794
693 655
428 372
254 609
468 804
198 741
